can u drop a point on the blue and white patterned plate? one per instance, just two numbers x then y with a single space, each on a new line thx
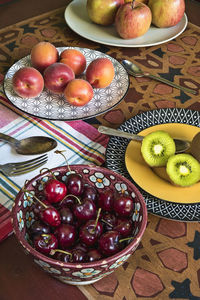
115 159
54 107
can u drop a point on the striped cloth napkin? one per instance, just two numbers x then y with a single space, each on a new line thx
82 143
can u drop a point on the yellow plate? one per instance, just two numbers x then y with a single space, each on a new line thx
155 180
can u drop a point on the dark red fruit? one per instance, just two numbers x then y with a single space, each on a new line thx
68 201
85 210
90 232
90 192
66 235
65 257
78 255
123 206
94 255
74 184
44 243
124 227
66 215
106 199
109 221
38 227
55 191
50 216
109 243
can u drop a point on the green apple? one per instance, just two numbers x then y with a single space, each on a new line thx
166 13
133 19
103 11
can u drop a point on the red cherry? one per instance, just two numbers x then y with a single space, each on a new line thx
109 243
74 184
66 215
90 232
66 235
124 227
123 205
85 210
55 191
44 243
93 255
50 216
106 200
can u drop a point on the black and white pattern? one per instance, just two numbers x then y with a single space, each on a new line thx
115 159
54 107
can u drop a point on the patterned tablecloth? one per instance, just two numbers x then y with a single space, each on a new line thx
167 263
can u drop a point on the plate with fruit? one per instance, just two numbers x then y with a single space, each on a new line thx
79 222
65 83
96 21
164 196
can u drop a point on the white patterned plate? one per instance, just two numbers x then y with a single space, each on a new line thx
54 107
115 159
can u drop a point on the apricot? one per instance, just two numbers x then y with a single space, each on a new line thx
74 59
100 72
27 82
78 92
57 76
43 55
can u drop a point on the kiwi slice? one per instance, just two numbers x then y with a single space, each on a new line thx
183 169
157 147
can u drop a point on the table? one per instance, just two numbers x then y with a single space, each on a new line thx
152 273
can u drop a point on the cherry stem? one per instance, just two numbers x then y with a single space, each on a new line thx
47 237
71 195
106 222
46 169
61 152
96 221
53 251
26 191
126 239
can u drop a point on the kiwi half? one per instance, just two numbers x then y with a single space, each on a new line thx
183 169
157 147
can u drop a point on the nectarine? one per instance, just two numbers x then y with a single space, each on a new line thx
78 92
57 76
27 82
100 72
74 59
43 55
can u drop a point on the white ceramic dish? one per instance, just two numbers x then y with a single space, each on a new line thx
77 19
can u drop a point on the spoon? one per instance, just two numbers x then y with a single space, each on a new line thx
31 145
135 71
181 145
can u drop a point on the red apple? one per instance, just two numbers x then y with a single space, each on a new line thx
28 82
103 11
74 59
166 13
133 19
43 55
78 92
100 72
57 76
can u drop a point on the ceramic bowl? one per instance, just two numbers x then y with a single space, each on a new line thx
79 273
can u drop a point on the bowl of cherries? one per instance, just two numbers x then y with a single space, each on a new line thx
79 222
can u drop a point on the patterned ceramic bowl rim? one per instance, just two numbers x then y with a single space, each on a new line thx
109 259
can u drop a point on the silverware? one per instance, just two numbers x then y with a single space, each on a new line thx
135 71
181 145
15 169
31 145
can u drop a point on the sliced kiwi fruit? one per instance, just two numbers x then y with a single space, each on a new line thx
157 147
183 169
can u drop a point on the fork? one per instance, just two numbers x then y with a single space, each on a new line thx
15 169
